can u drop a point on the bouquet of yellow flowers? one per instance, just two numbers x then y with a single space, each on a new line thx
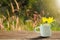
48 20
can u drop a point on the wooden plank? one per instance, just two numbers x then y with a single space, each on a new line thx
24 35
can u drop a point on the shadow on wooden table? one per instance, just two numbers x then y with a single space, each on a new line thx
39 38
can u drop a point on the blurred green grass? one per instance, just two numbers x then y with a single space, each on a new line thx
55 27
28 26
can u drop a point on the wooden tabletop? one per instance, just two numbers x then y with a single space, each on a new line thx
24 35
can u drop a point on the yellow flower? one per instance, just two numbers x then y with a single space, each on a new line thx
44 19
50 20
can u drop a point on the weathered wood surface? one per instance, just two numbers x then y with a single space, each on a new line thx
24 35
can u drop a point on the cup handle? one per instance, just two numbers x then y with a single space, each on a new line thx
36 30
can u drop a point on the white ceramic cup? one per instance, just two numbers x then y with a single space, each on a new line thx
45 30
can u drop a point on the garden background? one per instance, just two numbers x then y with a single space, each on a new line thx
17 15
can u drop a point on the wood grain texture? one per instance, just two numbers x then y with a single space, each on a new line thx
24 35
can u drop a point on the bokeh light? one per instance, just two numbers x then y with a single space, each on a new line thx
58 4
